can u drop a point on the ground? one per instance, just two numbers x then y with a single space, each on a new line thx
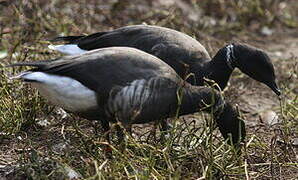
38 141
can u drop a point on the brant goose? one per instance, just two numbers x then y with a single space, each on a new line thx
182 52
126 85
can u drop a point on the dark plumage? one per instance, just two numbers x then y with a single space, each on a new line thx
126 85
183 53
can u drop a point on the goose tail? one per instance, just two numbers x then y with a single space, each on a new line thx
68 49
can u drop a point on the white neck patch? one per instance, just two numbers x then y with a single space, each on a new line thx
230 56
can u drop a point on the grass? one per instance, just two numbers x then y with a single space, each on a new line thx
69 146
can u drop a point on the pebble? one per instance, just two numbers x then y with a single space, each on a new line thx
266 31
269 117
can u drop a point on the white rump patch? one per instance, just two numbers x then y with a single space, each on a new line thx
63 91
69 49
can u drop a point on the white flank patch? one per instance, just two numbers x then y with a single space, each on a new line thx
70 49
63 91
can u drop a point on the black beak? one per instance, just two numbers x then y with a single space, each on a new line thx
274 88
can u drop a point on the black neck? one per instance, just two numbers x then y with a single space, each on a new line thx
220 67
195 98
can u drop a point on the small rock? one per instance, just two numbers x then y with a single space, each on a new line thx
62 113
43 122
19 138
166 3
3 54
72 174
16 55
266 31
269 117
59 148
212 21
295 142
278 53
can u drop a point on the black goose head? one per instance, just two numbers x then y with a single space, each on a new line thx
231 126
253 62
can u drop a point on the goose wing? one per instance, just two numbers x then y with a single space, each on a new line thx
103 68
167 44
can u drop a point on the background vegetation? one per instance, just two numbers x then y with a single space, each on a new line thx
38 141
